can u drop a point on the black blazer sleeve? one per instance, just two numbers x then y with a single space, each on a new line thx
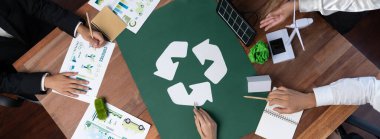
21 83
51 13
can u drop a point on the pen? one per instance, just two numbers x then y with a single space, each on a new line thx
89 24
258 98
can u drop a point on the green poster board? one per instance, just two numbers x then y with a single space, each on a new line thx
193 21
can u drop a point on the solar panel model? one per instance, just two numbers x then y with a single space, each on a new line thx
236 22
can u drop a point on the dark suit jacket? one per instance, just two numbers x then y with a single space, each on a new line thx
22 19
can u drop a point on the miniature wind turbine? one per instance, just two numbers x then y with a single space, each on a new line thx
298 24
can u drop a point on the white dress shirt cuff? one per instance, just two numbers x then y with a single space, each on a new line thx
376 102
76 28
308 5
323 96
43 82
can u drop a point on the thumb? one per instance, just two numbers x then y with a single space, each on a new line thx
281 110
282 88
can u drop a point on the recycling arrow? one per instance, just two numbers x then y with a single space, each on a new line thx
205 51
165 67
200 94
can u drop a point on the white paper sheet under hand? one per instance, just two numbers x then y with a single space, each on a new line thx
273 125
90 63
118 125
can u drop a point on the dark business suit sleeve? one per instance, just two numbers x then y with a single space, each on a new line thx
21 83
51 13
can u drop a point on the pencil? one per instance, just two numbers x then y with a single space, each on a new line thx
259 98
89 24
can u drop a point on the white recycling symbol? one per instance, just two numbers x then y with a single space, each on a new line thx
201 92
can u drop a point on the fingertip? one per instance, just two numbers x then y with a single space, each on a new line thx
72 73
83 92
282 88
69 73
277 110
203 110
195 111
73 95
262 21
270 103
274 92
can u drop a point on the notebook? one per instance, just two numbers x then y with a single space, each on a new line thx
273 125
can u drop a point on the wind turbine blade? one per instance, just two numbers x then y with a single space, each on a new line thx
299 38
290 38
294 13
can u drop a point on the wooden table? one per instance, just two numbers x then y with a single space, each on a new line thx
328 57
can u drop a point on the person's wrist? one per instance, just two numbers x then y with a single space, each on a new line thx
47 83
310 100
288 8
81 29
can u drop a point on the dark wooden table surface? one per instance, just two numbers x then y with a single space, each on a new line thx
328 57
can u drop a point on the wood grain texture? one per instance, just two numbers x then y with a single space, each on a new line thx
328 57
25 123
365 36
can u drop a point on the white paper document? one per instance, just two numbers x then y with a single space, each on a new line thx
273 125
118 125
133 12
90 63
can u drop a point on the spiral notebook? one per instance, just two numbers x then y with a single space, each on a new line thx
273 125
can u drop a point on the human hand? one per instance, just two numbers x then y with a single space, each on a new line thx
278 16
290 100
206 126
65 85
97 41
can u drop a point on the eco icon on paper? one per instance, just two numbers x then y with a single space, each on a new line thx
88 67
130 125
91 56
202 92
